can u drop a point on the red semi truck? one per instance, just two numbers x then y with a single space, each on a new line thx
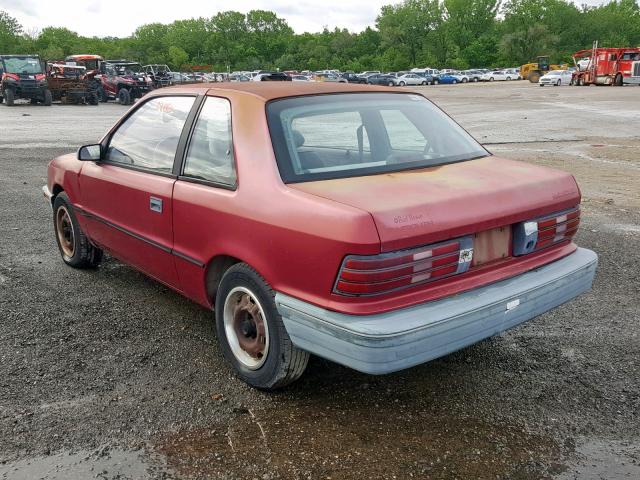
607 66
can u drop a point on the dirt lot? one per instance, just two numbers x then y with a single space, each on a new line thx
109 375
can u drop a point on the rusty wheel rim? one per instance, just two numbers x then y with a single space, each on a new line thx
64 229
246 328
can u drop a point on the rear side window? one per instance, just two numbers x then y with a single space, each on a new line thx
149 137
210 153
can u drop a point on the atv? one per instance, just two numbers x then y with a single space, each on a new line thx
23 77
123 81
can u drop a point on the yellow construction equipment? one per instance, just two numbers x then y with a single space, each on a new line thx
533 71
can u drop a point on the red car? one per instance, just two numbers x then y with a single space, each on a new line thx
357 223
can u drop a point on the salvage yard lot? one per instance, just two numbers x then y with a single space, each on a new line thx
108 374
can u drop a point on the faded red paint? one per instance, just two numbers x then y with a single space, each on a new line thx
297 235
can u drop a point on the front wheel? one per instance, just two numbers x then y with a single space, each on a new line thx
47 98
436 82
391 84
454 82
251 333
402 84
464 80
423 83
75 248
9 96
124 97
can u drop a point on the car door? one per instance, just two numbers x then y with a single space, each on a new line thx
204 196
126 197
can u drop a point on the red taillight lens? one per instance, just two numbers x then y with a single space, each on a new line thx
378 274
12 76
543 232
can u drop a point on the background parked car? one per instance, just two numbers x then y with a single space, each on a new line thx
329 77
354 78
473 75
381 79
430 79
410 79
556 78
461 76
300 78
448 79
496 75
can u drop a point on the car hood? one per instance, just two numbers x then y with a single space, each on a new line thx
418 207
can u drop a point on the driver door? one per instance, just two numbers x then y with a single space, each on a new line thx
127 196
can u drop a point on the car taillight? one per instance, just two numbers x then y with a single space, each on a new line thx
543 232
387 272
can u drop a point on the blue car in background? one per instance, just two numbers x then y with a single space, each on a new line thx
448 79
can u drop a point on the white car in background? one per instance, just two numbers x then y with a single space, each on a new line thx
410 79
497 75
556 78
300 78
460 76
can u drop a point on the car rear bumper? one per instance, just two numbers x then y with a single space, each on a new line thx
392 341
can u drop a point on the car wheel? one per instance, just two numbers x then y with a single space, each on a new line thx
9 96
508 79
48 98
436 82
75 248
124 97
423 83
102 95
464 80
618 81
491 79
559 83
251 333
93 99
33 101
476 79
454 81
391 84
402 84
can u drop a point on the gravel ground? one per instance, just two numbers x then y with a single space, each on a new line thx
109 375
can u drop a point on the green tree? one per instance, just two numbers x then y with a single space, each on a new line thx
177 57
406 26
10 31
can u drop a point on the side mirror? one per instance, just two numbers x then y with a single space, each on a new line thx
91 153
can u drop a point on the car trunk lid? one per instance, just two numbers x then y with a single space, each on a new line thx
418 207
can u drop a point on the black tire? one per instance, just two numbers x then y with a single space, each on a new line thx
454 81
102 95
618 81
284 363
465 80
491 79
34 101
83 253
93 98
391 84
402 84
47 98
124 97
423 83
1 99
436 82
9 96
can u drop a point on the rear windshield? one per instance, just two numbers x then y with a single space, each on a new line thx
348 135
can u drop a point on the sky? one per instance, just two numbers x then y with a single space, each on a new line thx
120 18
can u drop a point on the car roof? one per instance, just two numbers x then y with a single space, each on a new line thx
271 90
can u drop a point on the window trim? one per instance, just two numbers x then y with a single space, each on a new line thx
179 165
106 141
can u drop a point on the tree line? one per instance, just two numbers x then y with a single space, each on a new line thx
439 33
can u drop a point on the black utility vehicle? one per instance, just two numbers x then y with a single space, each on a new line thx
23 76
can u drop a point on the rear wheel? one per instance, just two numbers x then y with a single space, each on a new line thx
423 83
75 248
93 98
436 81
391 84
102 95
465 80
251 332
454 81
9 96
48 98
402 84
491 79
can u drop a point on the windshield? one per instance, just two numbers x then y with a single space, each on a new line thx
129 69
28 65
348 135
90 64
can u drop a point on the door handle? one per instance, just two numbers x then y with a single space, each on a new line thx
155 204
